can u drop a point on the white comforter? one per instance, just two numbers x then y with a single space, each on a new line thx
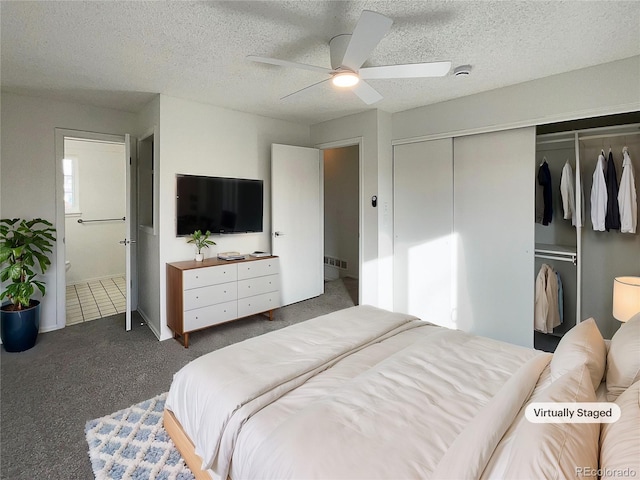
360 393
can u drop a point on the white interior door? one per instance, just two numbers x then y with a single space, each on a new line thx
423 230
127 240
297 220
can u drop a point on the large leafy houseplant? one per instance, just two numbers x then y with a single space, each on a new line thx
23 245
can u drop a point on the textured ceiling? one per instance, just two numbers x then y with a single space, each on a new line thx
119 54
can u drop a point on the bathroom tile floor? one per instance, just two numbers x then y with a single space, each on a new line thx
97 299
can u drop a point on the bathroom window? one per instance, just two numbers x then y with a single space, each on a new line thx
70 185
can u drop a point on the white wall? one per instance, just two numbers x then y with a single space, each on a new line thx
341 207
371 127
28 187
92 247
202 139
604 89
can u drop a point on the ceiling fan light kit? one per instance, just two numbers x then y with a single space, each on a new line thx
348 52
345 79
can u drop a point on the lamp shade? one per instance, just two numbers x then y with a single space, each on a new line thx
626 297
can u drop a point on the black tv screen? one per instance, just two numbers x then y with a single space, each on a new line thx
217 204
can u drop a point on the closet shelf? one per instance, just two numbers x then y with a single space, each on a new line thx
556 252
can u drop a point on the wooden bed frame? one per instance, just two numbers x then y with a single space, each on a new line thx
184 445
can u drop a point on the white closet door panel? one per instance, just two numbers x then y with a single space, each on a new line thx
493 211
423 226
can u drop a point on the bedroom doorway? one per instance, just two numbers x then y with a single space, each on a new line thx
94 223
341 166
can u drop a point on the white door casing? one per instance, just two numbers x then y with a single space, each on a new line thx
297 220
60 135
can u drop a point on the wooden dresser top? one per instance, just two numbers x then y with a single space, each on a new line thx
212 262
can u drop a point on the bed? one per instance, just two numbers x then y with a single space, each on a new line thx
367 393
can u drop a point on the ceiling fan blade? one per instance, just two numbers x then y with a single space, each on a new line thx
286 63
305 88
409 70
367 93
370 29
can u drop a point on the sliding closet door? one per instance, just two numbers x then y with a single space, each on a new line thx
493 211
423 224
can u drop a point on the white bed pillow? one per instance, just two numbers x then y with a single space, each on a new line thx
620 441
623 360
553 450
583 344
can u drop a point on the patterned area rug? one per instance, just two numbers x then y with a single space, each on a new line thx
133 444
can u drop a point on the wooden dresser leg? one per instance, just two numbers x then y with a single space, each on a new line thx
186 340
270 315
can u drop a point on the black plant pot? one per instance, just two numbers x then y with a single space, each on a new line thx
19 328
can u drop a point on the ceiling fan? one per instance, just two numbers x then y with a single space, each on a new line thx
348 54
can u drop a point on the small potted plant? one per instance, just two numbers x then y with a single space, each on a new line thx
200 240
23 245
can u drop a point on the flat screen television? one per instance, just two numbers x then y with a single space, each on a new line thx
218 204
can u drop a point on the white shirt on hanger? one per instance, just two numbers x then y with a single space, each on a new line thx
567 191
599 196
627 200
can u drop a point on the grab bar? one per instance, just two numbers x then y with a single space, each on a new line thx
103 220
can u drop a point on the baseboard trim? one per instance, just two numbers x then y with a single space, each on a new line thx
145 317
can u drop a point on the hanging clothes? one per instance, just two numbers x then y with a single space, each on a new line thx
544 179
547 313
612 219
627 199
568 194
560 298
599 196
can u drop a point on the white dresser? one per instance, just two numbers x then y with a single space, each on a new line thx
202 294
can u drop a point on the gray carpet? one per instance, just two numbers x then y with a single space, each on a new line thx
85 371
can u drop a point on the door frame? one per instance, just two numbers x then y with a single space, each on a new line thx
348 142
60 135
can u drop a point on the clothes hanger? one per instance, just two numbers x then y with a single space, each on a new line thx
544 160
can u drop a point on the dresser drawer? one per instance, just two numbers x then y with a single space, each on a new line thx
258 268
258 285
211 315
258 304
210 295
201 277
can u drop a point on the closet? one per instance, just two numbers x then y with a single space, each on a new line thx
463 235
587 261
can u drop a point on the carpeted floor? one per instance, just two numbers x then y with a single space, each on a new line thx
85 371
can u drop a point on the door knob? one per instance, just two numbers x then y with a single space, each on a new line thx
278 234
